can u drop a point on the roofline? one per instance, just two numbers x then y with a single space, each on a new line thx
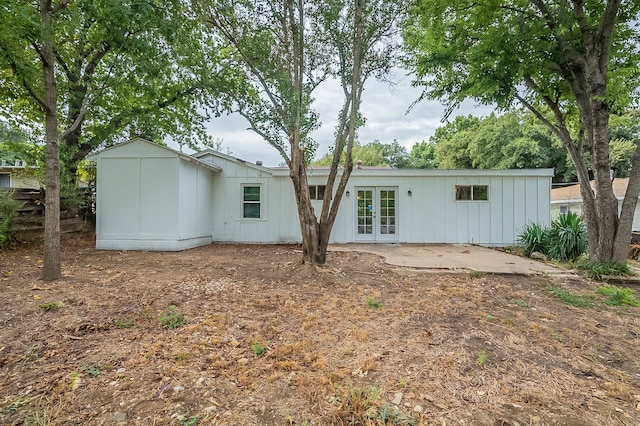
188 158
234 159
283 171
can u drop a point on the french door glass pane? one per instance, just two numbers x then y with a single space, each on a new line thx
365 212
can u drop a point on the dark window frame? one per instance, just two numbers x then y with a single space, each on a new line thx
471 192
316 192
248 203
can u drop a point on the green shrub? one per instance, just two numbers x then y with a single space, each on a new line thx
567 237
534 237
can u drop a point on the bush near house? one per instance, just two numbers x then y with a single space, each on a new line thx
565 240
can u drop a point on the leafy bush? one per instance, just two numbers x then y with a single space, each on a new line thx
567 237
534 237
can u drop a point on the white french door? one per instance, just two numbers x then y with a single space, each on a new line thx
376 214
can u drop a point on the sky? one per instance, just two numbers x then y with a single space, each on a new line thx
384 107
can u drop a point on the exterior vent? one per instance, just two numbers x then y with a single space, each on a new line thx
259 163
358 164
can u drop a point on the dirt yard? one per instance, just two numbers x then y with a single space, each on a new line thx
270 342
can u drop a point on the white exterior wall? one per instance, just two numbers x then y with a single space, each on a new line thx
195 204
148 198
430 215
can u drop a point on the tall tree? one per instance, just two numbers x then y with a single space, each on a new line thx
287 48
91 72
141 68
423 156
374 153
570 62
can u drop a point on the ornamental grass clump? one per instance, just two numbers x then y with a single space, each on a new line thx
567 237
534 238
565 240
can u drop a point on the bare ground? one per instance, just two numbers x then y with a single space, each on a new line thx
350 343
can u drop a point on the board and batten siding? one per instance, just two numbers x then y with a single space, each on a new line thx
432 215
151 198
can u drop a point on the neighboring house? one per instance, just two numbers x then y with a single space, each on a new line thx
150 197
15 174
568 199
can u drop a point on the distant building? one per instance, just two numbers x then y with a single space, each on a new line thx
568 199
15 174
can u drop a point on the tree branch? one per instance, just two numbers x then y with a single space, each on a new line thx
25 83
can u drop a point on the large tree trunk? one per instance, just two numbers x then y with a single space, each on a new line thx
606 204
51 267
308 221
623 233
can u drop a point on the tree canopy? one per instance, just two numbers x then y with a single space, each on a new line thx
374 153
572 63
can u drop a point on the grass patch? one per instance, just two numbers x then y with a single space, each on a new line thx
259 349
51 306
374 303
598 270
521 303
568 298
618 296
482 358
189 421
172 318
476 274
124 323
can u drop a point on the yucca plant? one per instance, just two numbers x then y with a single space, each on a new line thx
567 237
534 237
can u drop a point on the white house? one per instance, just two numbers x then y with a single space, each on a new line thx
568 199
154 198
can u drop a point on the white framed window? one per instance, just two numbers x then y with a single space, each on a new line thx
472 192
317 191
251 201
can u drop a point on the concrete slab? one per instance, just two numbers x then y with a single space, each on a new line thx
452 258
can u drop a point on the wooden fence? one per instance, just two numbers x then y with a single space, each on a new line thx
76 213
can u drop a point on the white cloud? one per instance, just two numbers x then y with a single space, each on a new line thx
384 107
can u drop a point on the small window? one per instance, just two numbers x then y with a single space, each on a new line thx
251 202
317 191
472 192
5 180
